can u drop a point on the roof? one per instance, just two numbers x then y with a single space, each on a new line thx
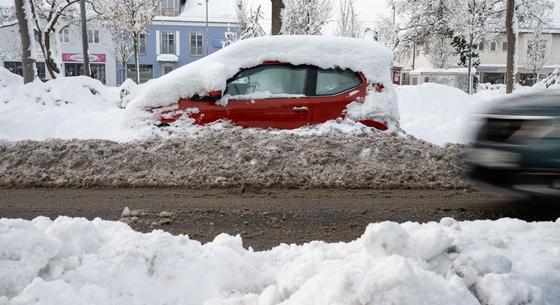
223 11
212 72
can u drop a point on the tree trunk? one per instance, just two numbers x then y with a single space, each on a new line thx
511 46
470 64
136 60
27 61
50 64
277 6
87 71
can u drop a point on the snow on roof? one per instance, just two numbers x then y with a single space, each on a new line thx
195 10
211 72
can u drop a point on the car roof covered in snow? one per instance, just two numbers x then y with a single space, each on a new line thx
211 72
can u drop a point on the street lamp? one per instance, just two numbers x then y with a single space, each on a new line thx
207 37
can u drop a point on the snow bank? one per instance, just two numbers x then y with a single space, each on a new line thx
7 78
71 107
211 72
75 261
221 156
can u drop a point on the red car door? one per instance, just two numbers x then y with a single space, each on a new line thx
270 95
333 90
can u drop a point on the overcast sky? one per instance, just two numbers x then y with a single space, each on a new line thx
368 10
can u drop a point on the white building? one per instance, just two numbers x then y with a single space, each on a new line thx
67 47
493 57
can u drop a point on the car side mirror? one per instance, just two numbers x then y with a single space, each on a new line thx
212 96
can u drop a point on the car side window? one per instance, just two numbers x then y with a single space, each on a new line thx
334 81
268 81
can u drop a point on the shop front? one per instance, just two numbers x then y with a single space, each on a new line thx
74 65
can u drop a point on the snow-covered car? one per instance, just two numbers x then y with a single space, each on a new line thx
281 82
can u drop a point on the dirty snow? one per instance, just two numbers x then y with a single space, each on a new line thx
228 156
76 261
211 72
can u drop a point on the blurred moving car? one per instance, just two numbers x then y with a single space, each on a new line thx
518 146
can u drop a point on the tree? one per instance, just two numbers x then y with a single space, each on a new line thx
277 7
439 50
536 53
249 21
133 15
23 13
348 24
305 17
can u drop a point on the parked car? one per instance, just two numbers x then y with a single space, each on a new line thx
518 146
280 95
283 93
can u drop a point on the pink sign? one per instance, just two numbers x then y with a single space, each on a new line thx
77 57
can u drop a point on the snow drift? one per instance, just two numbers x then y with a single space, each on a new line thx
211 72
7 78
75 261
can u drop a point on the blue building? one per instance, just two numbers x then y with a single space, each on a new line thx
180 35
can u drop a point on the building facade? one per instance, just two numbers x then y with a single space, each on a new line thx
493 57
181 35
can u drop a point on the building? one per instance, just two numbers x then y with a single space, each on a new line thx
493 58
179 35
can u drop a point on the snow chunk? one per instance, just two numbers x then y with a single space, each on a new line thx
8 78
211 72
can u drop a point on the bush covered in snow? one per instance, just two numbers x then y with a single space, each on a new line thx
75 261
551 82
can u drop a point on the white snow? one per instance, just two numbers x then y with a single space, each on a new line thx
75 261
211 72
167 58
195 10
7 78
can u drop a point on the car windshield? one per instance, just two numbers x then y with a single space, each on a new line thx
272 79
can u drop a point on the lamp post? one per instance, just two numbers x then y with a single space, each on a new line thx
87 71
207 36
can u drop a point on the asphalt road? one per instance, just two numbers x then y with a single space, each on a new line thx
265 218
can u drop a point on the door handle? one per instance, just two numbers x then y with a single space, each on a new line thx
300 109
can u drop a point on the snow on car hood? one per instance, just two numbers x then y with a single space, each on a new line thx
211 72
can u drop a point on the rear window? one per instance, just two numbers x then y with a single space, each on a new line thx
335 81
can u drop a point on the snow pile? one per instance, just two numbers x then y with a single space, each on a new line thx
7 78
221 156
71 107
211 72
551 82
75 261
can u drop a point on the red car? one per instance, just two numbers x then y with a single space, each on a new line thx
279 95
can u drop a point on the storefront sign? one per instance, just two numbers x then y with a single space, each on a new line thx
77 57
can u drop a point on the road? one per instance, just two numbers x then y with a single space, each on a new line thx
265 218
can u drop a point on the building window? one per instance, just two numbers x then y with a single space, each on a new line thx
196 43
142 43
93 36
481 46
17 68
493 46
167 43
65 35
75 69
504 46
146 72
166 68
168 8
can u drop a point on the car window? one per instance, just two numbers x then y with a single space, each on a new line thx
272 79
334 81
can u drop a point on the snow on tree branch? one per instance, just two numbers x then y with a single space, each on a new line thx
305 17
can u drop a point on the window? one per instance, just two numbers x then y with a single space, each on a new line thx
142 43
481 46
196 43
17 68
334 81
74 69
272 79
167 43
493 46
166 68
65 35
168 8
93 36
504 46
146 72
